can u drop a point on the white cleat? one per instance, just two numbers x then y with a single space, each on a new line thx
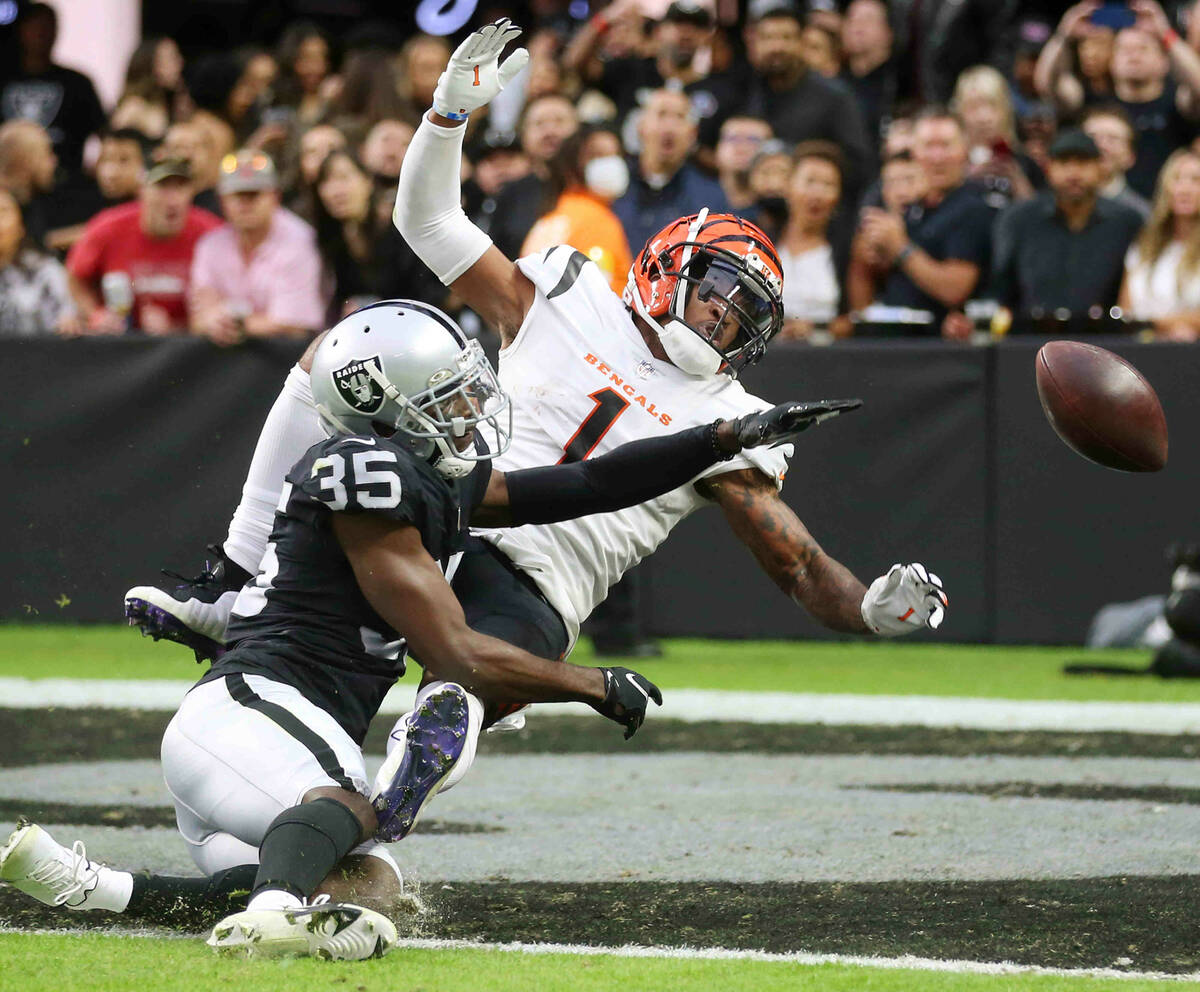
34 862
329 930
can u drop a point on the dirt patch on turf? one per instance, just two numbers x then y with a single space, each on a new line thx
1136 924
1048 790
42 736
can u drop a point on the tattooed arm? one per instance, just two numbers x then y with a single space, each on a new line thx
785 549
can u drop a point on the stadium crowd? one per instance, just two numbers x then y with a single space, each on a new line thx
926 167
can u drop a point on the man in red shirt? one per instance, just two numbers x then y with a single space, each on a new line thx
129 271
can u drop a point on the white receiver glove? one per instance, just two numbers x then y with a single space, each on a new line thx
474 75
906 599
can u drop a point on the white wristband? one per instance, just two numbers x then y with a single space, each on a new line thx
428 210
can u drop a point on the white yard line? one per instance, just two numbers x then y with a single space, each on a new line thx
906 962
708 706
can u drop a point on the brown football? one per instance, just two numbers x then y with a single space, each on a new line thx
1101 406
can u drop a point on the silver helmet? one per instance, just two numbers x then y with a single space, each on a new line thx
404 370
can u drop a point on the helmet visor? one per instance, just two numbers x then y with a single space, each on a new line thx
749 303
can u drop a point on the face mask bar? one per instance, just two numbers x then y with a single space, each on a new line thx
457 403
759 314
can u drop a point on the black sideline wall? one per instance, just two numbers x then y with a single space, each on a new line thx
124 456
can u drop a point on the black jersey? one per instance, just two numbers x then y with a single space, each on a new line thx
303 620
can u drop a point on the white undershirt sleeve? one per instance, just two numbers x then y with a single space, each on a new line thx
429 211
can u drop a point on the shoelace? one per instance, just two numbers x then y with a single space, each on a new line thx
209 577
75 874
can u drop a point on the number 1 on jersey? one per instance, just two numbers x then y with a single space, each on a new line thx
609 406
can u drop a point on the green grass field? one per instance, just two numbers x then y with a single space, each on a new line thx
115 964
33 962
117 652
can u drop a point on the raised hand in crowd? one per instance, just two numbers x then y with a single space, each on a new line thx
884 234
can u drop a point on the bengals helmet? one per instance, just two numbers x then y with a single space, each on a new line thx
725 258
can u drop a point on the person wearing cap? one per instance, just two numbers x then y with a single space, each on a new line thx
1063 252
129 270
259 274
798 103
681 42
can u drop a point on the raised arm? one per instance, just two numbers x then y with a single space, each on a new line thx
905 599
1052 76
405 587
428 210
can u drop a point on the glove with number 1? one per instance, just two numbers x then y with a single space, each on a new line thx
906 599
474 74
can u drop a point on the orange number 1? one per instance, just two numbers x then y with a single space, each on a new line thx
476 83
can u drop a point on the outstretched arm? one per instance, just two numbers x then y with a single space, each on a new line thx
905 599
428 210
640 470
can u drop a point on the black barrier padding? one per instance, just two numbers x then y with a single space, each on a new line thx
1072 536
902 479
122 456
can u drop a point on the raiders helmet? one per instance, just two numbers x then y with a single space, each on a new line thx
404 370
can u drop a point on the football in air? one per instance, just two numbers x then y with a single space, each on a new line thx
1101 406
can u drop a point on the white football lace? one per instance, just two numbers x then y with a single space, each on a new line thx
74 875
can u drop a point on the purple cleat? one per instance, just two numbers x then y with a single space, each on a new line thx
195 612
429 742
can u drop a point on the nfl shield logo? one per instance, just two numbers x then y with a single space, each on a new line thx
357 387
644 370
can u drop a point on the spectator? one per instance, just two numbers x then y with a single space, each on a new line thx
1062 253
153 89
315 144
368 93
738 143
1090 46
769 178
1162 269
34 298
27 167
869 70
935 40
305 62
822 49
422 60
997 165
121 166
1156 81
360 247
61 100
130 269
812 268
497 160
259 274
120 170
586 175
384 146
798 104
680 43
902 183
1109 126
194 143
545 124
664 185
931 258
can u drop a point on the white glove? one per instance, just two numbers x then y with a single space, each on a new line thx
906 599
474 75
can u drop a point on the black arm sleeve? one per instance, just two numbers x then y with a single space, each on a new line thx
626 476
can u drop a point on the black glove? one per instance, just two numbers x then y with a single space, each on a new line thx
627 695
786 422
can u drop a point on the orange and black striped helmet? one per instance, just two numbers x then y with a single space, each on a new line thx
724 257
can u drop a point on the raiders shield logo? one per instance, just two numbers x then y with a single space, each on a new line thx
357 387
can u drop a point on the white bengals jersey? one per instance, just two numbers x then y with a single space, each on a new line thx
583 381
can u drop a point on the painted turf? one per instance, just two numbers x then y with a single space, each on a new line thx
708 705
902 963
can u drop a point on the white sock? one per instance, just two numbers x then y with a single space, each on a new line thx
291 428
275 899
474 723
112 891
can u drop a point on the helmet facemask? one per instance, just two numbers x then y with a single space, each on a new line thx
438 423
